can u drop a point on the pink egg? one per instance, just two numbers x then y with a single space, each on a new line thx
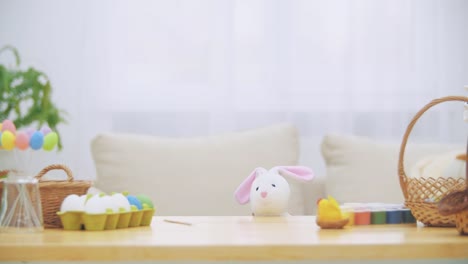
22 140
7 125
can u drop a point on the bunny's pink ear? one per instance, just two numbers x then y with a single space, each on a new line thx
297 172
242 193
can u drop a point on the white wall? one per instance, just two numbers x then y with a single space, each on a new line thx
57 38
195 68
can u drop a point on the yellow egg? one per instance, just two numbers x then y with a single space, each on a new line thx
8 140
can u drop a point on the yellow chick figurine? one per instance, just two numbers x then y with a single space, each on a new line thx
329 214
329 210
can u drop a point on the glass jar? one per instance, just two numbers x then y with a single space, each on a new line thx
21 209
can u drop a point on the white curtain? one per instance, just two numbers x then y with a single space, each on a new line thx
196 68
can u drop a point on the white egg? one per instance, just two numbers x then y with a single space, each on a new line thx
120 201
83 198
72 202
110 204
95 205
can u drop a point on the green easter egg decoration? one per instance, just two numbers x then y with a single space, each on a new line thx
145 200
50 141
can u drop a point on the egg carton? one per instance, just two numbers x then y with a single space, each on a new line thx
77 220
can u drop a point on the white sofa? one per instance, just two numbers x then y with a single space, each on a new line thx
198 176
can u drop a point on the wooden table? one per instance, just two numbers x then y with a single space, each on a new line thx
236 238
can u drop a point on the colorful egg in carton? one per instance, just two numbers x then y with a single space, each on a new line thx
105 212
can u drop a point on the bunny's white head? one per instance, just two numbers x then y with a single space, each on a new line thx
268 191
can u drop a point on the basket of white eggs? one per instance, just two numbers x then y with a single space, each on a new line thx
105 212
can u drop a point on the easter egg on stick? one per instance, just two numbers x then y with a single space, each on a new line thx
8 140
50 141
22 140
8 125
29 131
45 130
37 140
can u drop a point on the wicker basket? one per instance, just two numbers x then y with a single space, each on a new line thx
53 193
456 203
462 222
418 192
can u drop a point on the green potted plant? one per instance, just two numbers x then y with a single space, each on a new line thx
25 97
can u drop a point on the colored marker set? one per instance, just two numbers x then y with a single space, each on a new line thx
377 214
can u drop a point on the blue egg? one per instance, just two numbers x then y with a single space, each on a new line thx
134 201
37 140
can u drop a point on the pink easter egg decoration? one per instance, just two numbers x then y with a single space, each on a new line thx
22 140
7 125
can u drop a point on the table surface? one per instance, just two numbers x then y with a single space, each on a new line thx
237 238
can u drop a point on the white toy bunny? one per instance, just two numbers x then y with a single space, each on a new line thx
267 190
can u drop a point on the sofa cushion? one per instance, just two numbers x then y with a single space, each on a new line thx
193 176
361 169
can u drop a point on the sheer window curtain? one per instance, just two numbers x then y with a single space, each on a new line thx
197 68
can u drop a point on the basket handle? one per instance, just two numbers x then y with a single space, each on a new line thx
55 167
401 171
